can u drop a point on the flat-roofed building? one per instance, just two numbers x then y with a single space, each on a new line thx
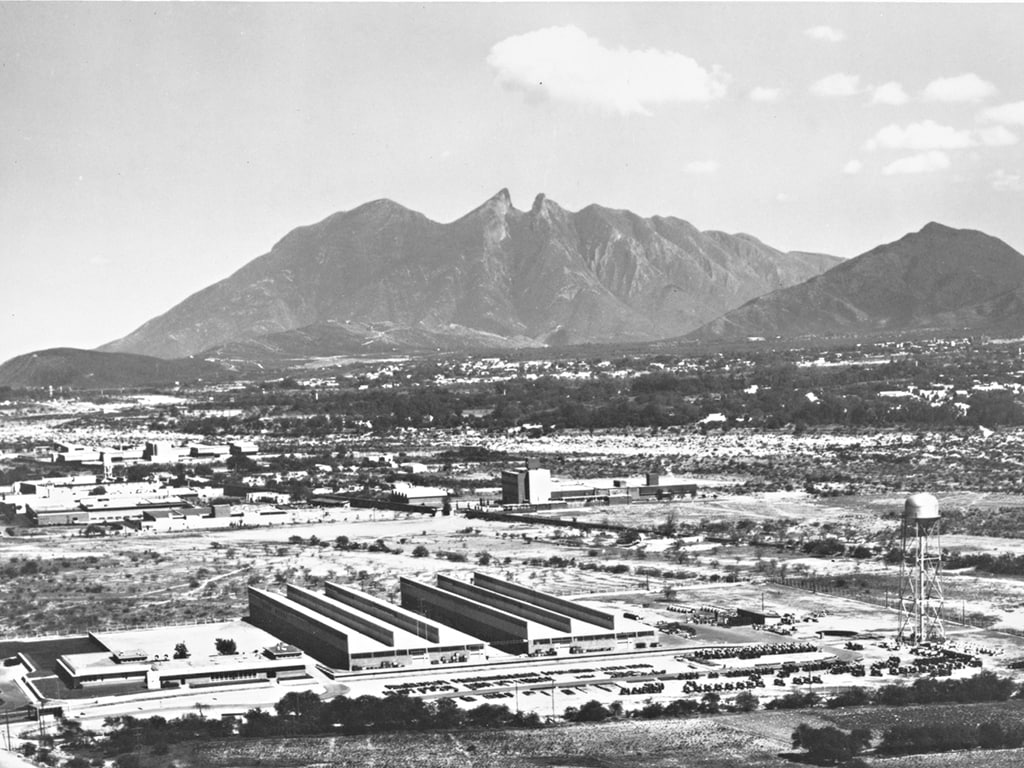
407 493
521 620
348 629
143 659
209 451
526 486
90 510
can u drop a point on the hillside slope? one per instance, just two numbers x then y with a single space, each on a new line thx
938 278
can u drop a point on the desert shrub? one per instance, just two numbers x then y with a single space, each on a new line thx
794 700
591 712
851 697
830 745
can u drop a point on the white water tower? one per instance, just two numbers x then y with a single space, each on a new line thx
920 617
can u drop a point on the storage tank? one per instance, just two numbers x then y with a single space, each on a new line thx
922 509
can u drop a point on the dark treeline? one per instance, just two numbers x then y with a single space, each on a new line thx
1002 522
982 687
303 713
832 746
944 737
1003 565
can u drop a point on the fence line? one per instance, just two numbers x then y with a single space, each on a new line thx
886 601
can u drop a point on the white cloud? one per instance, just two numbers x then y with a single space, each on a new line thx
701 166
1005 181
928 135
566 64
853 167
784 197
926 162
1012 113
826 33
997 136
968 87
763 94
925 135
890 93
839 84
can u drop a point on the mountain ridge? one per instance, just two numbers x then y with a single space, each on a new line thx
939 278
90 369
547 275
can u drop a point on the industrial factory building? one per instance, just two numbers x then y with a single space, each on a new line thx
132 661
520 620
345 628
454 621
534 486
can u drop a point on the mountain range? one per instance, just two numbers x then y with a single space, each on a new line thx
384 279
497 277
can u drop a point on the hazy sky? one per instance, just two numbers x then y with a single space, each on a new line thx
147 150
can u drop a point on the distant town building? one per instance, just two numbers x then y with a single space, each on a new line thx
534 486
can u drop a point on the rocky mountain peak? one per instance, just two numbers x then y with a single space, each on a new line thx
496 274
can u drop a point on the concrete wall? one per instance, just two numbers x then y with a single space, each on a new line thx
504 631
550 602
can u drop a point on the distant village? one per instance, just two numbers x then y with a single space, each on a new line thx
100 494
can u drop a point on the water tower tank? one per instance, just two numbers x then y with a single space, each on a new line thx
921 508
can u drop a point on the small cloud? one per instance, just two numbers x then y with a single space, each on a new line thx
890 93
99 261
925 135
784 197
701 166
566 64
1011 114
1004 181
853 167
839 84
826 34
997 136
926 162
765 95
968 87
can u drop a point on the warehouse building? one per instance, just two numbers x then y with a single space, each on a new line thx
534 486
345 629
92 510
520 620
139 660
